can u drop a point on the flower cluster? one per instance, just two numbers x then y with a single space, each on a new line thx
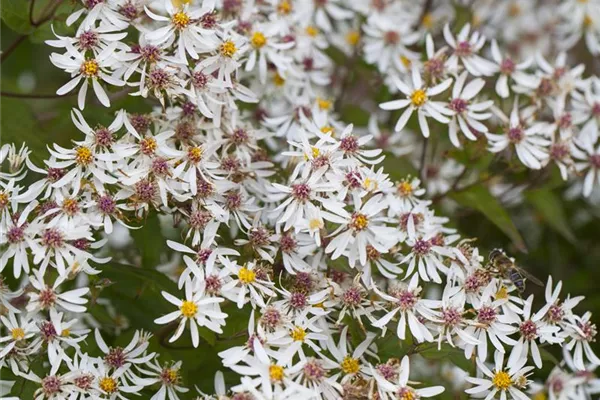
284 213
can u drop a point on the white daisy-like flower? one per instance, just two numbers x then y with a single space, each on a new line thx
418 97
89 69
400 388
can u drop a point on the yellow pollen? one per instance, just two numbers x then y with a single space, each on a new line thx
427 20
502 293
315 153
83 155
148 145
188 309
298 334
541 395
370 184
278 80
418 97
246 276
180 20
65 333
276 373
405 61
359 222
315 224
17 334
352 38
587 21
324 104
89 68
408 395
312 31
228 49
108 385
284 7
502 380
3 200
171 375
70 206
405 188
320 305
328 130
195 154
258 40
180 3
350 365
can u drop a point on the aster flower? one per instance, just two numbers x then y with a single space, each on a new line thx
418 97
198 309
466 46
509 381
89 69
400 388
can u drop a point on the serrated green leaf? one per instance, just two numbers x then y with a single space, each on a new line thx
550 208
15 14
479 198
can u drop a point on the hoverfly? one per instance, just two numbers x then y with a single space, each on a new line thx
503 266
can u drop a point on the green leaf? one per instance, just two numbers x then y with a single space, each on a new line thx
15 14
479 198
149 241
550 208
136 293
448 353
19 125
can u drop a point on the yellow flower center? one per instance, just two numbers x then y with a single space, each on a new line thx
352 38
148 145
315 153
350 365
89 68
359 222
407 394
418 97
405 188
180 20
502 380
108 385
370 184
3 200
278 79
195 154
188 309
328 130
228 49
324 104
315 223
298 334
284 7
587 21
405 61
276 373
312 31
83 156
427 20
246 276
180 3
258 40
18 334
539 396
502 293
65 333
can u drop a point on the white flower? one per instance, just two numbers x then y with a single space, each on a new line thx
197 308
467 115
418 97
528 141
465 51
88 69
508 381
400 389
